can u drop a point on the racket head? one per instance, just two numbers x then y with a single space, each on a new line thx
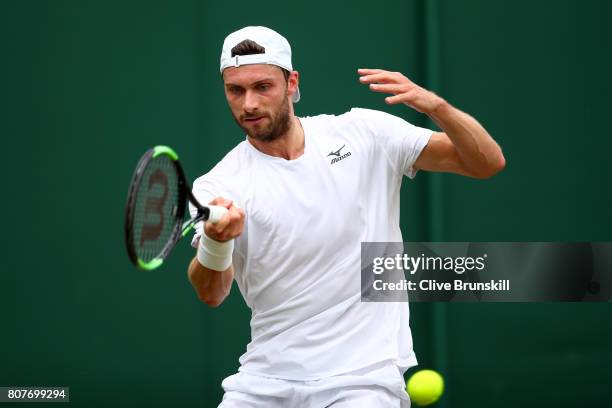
155 208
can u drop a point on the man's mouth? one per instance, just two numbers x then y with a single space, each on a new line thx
254 120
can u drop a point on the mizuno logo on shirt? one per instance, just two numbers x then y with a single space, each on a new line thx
337 152
338 155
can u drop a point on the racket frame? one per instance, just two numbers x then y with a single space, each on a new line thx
180 228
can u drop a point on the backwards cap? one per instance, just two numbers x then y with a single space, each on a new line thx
277 50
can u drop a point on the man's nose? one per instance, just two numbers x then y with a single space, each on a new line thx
251 101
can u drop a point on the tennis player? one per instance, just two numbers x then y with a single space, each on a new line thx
302 194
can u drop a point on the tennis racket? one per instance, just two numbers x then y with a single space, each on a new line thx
156 208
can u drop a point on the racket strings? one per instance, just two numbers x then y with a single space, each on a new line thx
157 201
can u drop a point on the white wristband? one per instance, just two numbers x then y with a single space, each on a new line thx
213 254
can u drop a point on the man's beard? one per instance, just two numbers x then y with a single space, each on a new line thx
278 126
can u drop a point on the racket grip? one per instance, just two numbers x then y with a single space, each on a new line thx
216 213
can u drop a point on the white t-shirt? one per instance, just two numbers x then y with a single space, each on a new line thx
297 262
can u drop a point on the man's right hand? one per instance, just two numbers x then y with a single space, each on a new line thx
230 226
213 286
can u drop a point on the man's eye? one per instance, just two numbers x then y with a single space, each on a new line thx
263 87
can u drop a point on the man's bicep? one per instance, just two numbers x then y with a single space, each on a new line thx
440 155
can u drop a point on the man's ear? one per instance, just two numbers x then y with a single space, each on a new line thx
293 82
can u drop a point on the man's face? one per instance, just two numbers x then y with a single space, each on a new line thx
257 96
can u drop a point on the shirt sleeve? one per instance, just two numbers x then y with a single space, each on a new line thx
400 141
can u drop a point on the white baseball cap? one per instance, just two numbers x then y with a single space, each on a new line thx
278 50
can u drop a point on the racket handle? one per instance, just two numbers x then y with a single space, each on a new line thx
216 213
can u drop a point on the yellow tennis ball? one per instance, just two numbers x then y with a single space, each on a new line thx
425 387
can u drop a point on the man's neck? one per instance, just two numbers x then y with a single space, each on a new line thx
288 146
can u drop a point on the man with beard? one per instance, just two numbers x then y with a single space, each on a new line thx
302 194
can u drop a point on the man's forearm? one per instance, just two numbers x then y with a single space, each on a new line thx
211 286
477 150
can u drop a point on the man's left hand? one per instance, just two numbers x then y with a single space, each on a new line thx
403 89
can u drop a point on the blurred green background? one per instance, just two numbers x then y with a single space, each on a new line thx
87 86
